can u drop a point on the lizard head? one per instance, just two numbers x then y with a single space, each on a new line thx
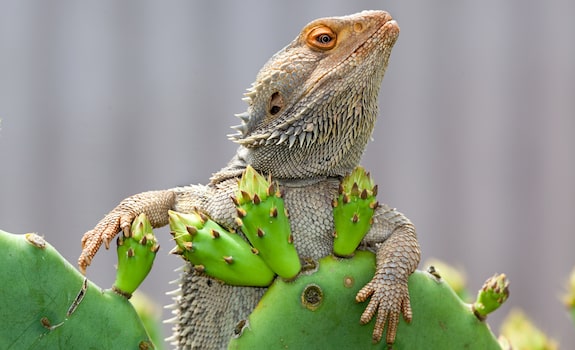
313 105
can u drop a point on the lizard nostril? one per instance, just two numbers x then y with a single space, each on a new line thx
358 27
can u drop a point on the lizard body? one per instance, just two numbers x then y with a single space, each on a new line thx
311 112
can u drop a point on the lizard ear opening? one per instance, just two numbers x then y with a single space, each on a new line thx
276 103
321 37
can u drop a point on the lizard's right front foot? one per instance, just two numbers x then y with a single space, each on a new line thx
155 204
104 232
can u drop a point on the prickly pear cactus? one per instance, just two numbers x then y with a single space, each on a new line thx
48 304
217 252
353 211
321 312
262 218
319 306
491 296
136 254
224 255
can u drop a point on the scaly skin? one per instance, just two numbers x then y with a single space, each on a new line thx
311 112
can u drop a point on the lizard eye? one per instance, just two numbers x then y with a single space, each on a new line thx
322 38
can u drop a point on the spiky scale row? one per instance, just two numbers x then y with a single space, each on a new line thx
136 254
353 211
216 252
263 219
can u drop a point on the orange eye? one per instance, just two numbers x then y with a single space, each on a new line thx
322 38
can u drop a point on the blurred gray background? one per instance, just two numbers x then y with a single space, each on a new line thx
475 142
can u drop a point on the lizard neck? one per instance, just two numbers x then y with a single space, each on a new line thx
239 162
330 156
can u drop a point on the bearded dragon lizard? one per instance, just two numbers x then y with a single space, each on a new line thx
311 112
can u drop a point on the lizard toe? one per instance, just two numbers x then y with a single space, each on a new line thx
406 309
380 321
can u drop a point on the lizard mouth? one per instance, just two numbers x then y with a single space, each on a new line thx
392 25
387 32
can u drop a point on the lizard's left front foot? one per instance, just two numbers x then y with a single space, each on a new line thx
389 298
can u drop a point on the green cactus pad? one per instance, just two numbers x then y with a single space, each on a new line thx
263 219
48 304
318 311
136 256
217 252
353 211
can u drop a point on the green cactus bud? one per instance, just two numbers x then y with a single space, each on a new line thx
353 211
491 296
263 219
136 256
520 333
216 252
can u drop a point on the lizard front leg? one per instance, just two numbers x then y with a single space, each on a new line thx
397 257
155 204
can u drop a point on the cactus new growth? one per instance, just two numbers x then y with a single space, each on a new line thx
217 252
226 256
353 211
263 220
491 296
136 254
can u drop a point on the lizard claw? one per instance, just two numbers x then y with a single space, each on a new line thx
126 225
104 232
389 298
